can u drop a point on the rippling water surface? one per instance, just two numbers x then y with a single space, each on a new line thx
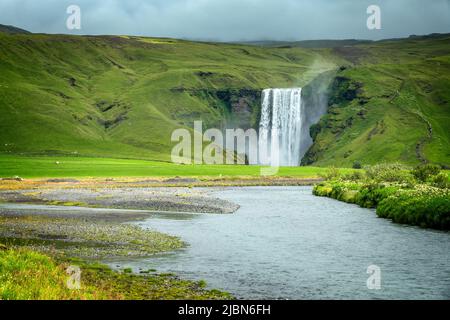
286 243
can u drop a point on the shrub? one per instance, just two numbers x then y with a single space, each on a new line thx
340 190
389 172
426 172
441 181
431 210
355 176
371 194
332 173
322 190
395 193
357 165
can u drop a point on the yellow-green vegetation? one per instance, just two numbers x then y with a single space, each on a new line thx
148 286
418 197
66 203
29 275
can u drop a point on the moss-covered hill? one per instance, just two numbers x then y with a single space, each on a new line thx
123 96
120 96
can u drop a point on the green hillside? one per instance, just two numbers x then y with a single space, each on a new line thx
391 103
121 97
12 29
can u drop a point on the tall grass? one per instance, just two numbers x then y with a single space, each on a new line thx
28 275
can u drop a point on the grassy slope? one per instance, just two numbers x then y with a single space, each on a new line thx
407 85
56 91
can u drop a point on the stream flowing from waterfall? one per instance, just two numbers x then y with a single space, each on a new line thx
285 243
280 129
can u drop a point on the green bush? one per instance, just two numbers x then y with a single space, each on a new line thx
431 211
426 172
332 173
371 194
322 190
389 172
357 165
340 190
355 176
395 193
441 181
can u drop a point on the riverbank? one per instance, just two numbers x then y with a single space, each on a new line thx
165 199
315 233
18 183
40 234
47 223
177 194
30 275
419 197
50 224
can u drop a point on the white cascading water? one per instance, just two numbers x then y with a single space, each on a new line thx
280 127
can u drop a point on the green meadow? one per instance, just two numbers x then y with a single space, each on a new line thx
80 167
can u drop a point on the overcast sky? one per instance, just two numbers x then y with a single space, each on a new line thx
232 20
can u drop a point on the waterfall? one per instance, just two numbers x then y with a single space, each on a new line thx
280 129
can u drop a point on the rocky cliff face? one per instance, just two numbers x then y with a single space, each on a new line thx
337 92
240 107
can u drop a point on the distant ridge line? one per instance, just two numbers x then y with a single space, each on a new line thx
12 30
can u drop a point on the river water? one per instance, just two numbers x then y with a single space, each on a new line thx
285 243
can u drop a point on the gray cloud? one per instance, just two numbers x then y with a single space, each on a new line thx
228 20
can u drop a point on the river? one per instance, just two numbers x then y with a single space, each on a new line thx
285 243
